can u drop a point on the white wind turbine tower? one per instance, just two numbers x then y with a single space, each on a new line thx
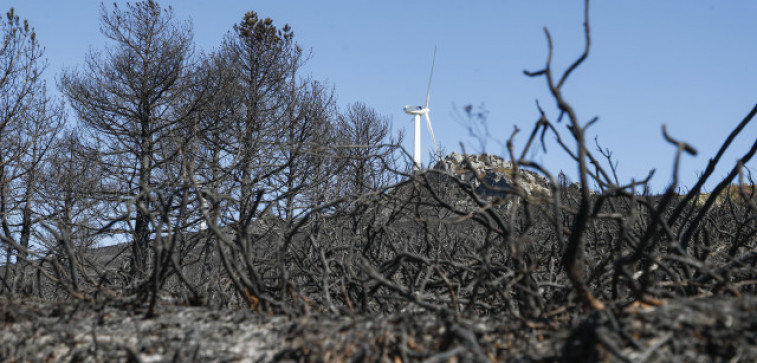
417 111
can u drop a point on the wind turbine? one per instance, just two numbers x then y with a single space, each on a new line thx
417 112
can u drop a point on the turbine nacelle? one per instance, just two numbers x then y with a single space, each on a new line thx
416 110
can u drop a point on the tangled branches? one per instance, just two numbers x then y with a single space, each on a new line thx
331 226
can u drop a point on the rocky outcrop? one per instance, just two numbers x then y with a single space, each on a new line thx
491 176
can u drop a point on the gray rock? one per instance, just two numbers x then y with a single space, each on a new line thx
491 175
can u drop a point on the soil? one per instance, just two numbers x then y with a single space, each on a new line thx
693 330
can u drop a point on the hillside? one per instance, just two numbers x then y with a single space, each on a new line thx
261 222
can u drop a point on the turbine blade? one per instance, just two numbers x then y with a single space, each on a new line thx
431 131
428 91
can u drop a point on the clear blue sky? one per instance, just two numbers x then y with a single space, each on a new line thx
689 64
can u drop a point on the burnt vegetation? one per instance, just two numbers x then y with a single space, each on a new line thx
230 180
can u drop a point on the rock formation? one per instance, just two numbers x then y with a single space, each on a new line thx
491 176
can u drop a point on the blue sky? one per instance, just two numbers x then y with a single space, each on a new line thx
691 65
